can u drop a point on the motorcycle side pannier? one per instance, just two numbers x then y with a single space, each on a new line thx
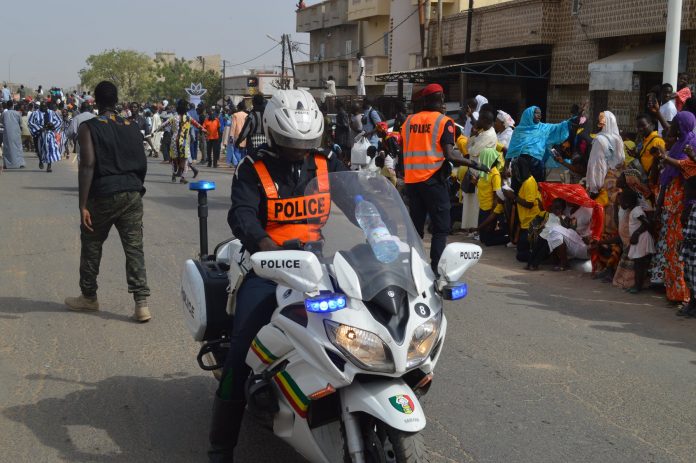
204 293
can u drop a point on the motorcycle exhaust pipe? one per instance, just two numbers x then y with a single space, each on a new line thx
202 187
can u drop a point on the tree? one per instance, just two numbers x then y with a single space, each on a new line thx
131 71
172 78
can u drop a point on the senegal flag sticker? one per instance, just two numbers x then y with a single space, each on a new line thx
403 404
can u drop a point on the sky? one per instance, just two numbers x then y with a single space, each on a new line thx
235 29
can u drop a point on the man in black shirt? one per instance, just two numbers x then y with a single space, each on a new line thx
111 175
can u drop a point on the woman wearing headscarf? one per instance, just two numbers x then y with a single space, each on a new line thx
604 167
504 126
666 265
533 138
482 137
473 108
490 195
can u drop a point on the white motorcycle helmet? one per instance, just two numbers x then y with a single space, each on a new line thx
292 119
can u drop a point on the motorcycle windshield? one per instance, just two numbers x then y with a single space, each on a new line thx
341 233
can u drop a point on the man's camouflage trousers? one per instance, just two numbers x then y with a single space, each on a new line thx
125 212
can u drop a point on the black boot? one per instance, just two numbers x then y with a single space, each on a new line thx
195 172
224 429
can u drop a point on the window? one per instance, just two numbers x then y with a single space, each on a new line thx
575 9
349 47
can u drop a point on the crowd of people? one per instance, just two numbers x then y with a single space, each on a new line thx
184 134
623 205
620 203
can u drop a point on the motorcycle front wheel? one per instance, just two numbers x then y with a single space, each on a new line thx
384 444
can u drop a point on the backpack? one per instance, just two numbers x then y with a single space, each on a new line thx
372 119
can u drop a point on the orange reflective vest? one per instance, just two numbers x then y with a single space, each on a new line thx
299 217
423 155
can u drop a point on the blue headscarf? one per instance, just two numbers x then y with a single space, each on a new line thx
535 138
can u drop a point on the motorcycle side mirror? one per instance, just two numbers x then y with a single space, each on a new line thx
457 259
299 270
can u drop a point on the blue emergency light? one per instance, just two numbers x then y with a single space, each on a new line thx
202 185
454 292
326 303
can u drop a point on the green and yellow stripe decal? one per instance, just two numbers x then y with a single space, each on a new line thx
293 393
262 352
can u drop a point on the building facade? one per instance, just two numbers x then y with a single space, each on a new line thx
338 30
609 52
263 81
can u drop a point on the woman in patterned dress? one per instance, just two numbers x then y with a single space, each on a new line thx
670 205
180 148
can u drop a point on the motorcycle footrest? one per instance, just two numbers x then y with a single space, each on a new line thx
217 349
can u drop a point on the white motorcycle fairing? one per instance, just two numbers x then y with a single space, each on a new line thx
389 400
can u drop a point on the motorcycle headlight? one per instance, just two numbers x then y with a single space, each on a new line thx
423 340
363 348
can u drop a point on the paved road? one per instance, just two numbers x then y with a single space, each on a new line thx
537 367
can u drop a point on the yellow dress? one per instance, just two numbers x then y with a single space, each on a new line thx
529 191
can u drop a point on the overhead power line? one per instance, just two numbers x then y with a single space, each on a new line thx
257 57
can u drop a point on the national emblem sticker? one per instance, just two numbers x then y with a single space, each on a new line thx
403 404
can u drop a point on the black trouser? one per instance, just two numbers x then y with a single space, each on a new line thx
256 302
166 144
523 250
431 198
213 147
492 235
540 253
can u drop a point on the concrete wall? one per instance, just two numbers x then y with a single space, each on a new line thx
405 40
334 42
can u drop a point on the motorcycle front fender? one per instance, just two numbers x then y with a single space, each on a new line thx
390 400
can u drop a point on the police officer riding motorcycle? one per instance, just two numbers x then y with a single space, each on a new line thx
269 210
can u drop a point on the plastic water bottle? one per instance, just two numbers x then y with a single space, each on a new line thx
383 244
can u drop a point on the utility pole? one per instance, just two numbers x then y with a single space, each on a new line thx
292 62
469 20
439 32
224 63
282 65
672 37
426 49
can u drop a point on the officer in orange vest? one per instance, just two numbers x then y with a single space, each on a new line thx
270 208
428 155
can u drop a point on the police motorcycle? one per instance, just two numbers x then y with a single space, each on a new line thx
359 327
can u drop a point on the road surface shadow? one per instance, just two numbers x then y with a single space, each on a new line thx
14 306
69 189
191 203
576 295
129 419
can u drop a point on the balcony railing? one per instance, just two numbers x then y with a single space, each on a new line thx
314 73
329 13
362 9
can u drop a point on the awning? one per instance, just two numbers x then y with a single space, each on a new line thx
615 72
529 67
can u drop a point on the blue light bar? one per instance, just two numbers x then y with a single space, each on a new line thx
455 292
203 185
325 303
